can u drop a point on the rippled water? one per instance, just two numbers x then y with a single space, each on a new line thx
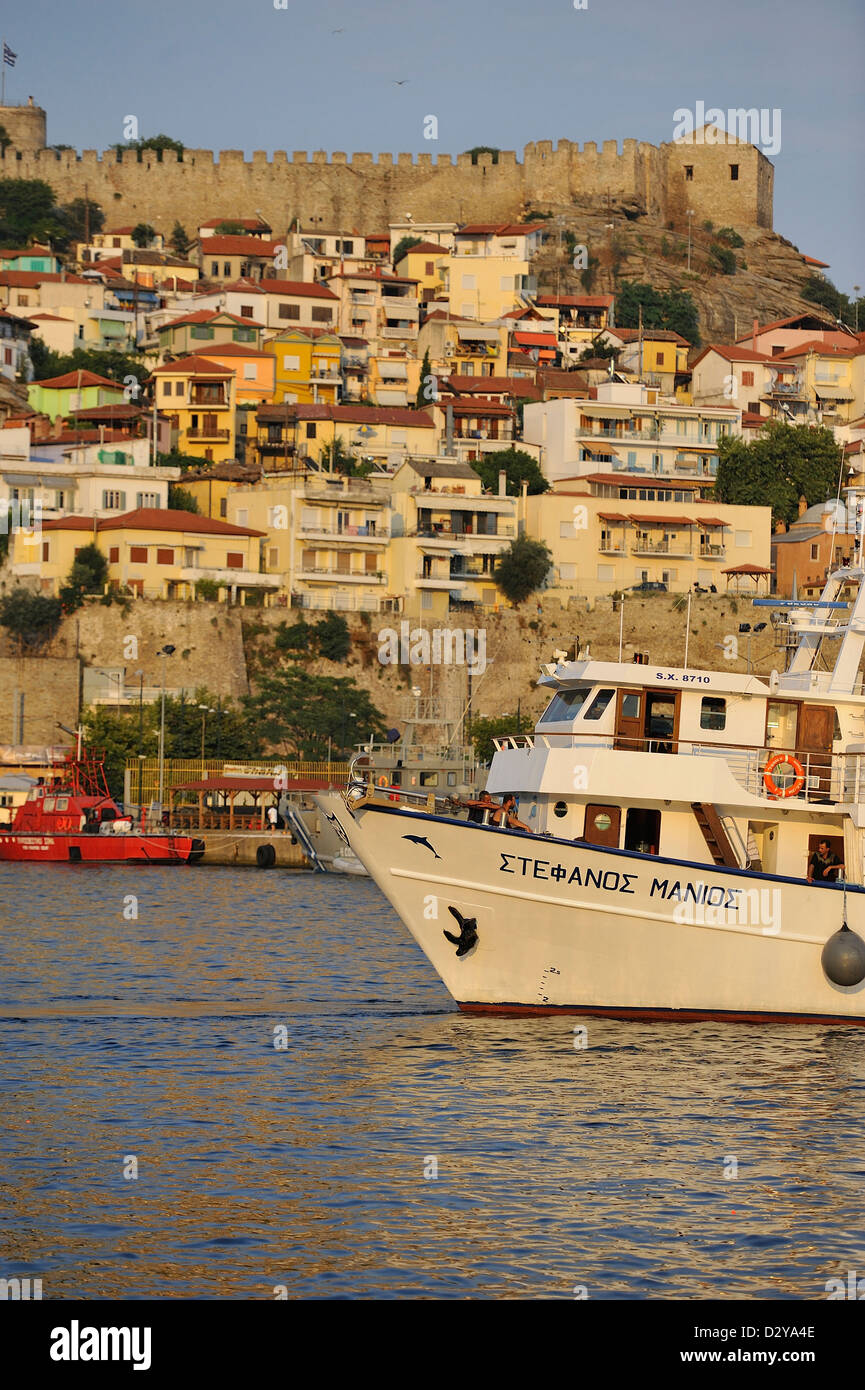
304 1167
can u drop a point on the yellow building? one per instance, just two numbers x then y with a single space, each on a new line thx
254 371
462 345
600 546
327 538
578 318
483 286
830 378
155 553
393 378
198 397
210 486
427 264
381 435
447 536
663 363
306 366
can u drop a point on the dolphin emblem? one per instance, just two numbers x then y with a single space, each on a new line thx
421 840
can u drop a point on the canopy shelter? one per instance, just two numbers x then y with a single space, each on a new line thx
755 572
265 792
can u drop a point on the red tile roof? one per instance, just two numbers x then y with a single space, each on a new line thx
250 223
654 335
76 381
645 480
730 353
353 414
734 569
850 348
611 516
425 248
165 519
297 288
811 260
234 350
239 246
479 405
824 319
547 340
27 279
645 519
207 315
576 301
194 365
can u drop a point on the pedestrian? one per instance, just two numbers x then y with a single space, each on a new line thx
272 817
824 866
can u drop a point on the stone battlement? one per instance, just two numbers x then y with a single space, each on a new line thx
365 192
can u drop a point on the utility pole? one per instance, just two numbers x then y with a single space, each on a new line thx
86 217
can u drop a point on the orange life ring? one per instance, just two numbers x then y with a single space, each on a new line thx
771 785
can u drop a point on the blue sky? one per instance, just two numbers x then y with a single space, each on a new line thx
240 74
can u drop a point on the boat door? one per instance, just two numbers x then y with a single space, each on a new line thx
602 825
629 719
816 732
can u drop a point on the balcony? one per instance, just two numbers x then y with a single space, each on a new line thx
713 552
329 573
437 581
205 401
613 547
209 434
355 494
408 331
671 547
380 534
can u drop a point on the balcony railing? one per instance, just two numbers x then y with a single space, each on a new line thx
409 331
215 434
345 533
331 572
713 552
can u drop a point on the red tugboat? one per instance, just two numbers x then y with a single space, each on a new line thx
73 819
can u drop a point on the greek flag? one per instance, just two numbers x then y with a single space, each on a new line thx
8 56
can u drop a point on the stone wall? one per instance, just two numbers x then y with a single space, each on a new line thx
365 194
35 694
25 126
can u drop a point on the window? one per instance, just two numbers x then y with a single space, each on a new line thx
659 359
426 598
689 173
23 299
565 704
430 268
138 554
164 556
7 356
113 500
606 573
234 560
249 371
632 457
201 330
147 499
242 335
567 571
113 555
166 388
310 430
506 283
242 516
747 378
566 530
743 539
734 172
223 507
226 269
599 704
320 314
60 500
289 311
469 282
398 438
815 552
290 363
178 388
273 559
45 550
246 311
214 269
713 712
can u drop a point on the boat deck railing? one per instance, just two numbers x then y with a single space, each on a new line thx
827 777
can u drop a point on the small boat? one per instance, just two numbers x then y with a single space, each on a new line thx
73 819
685 844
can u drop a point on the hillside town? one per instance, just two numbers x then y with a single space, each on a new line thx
328 401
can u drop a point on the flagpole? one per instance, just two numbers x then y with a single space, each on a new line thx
3 86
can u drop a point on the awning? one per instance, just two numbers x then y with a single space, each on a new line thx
833 393
543 340
711 521
613 516
477 334
662 520
603 452
393 369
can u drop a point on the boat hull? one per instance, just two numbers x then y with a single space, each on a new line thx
98 849
577 928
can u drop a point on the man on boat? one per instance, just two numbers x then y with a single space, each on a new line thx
506 815
824 866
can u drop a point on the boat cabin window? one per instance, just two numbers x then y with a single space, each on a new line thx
599 704
560 809
429 779
642 830
62 803
713 712
48 803
565 704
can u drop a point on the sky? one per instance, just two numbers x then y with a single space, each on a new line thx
242 74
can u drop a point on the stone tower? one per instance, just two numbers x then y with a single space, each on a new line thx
25 125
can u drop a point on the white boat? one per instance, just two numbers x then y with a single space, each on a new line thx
675 815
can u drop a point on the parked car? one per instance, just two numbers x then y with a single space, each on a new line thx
648 586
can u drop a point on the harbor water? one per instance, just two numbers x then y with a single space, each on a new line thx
224 1083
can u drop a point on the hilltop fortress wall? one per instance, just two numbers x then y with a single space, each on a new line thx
365 194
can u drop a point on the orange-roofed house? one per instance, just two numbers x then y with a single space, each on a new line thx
60 395
198 396
306 365
154 552
426 263
240 257
254 371
205 328
578 318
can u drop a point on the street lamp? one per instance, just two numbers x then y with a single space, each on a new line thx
856 289
164 652
140 675
205 711
690 215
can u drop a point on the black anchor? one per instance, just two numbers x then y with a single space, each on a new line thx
468 932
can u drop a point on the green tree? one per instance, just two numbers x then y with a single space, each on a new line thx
179 241
229 228
301 713
670 309
818 289
32 618
82 216
332 637
722 258
5 139
483 730
522 568
729 236
174 459
404 244
421 399
107 362
143 234
328 638
181 500
519 466
88 575
338 458
483 149
159 143
599 347
28 212
785 462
